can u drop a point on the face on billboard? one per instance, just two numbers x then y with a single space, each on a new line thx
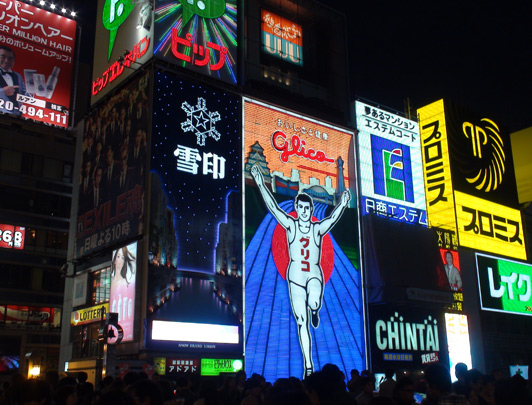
124 41
391 165
505 285
196 218
123 278
36 60
199 35
302 258
282 38
113 164
490 227
437 172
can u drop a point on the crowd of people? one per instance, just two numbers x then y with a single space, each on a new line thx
324 387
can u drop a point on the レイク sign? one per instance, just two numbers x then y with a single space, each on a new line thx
12 237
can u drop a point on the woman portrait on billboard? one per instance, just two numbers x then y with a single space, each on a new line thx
122 299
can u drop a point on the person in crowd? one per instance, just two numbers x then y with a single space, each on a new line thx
403 392
438 380
387 386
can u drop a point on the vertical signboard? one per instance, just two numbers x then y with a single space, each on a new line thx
124 41
282 38
436 164
302 245
505 285
457 331
123 278
484 225
113 165
390 165
37 51
196 218
199 35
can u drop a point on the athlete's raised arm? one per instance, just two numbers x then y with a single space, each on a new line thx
284 219
326 224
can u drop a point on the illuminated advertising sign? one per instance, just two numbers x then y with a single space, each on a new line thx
282 38
302 246
505 285
124 38
458 341
113 165
123 278
490 227
180 366
390 165
405 338
12 236
217 366
89 315
481 156
195 219
436 165
36 59
199 35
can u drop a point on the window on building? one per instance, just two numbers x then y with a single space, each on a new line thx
101 286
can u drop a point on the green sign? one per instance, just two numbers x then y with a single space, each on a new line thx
217 366
202 8
505 285
115 12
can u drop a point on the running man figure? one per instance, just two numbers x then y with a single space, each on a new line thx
304 273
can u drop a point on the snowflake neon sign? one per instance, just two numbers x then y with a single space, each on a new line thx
200 121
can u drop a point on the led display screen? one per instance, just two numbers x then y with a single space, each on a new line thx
390 165
406 338
436 165
505 285
490 227
113 165
282 38
481 156
198 35
123 281
458 344
302 245
195 247
37 52
12 236
124 41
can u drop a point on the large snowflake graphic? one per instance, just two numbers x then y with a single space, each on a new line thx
200 121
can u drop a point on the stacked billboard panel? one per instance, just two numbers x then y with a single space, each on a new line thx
303 291
196 220
36 59
390 165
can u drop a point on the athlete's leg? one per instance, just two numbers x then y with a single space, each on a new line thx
298 300
314 299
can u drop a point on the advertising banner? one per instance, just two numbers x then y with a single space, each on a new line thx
505 285
302 245
89 315
493 228
457 332
123 280
37 52
195 219
124 42
282 38
391 166
480 156
12 236
436 165
408 338
113 166
199 35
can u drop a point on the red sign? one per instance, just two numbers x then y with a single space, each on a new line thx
12 237
36 57
174 366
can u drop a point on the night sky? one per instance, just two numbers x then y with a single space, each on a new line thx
476 54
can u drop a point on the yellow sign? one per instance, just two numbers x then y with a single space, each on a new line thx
159 365
494 228
436 167
88 315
